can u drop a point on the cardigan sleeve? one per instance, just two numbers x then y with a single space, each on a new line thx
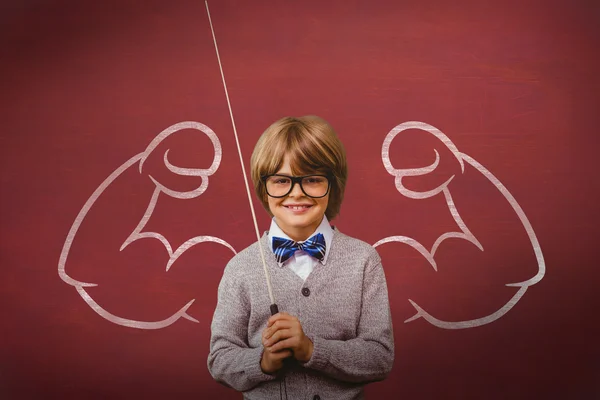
231 361
369 356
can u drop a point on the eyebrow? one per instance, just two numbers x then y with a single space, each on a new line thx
297 176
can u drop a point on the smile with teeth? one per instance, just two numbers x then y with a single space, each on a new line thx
298 207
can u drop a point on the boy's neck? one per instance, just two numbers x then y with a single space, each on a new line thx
300 234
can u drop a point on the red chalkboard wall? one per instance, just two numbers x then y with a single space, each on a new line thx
503 94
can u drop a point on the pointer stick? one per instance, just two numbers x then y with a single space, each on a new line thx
274 309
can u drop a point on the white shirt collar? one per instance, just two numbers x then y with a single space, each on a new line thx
323 228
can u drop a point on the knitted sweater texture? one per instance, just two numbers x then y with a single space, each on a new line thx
345 312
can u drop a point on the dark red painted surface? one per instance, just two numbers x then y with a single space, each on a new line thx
88 85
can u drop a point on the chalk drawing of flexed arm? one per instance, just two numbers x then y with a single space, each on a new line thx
138 232
463 233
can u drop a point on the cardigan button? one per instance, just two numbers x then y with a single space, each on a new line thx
306 292
316 397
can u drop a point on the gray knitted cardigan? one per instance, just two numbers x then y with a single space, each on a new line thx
345 312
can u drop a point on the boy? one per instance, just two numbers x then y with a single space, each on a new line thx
334 330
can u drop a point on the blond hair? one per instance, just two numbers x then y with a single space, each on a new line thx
312 147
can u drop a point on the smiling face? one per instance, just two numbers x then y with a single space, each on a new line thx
297 214
309 145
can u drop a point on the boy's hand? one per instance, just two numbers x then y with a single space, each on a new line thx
284 331
272 361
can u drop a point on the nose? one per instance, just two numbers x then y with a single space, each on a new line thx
296 190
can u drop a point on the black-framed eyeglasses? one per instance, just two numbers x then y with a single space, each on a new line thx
279 185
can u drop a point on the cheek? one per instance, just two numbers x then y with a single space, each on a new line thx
324 202
273 203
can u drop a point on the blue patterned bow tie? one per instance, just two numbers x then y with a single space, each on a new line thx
285 248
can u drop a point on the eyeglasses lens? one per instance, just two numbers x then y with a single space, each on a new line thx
313 185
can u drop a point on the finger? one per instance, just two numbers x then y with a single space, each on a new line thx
277 336
275 327
289 343
280 355
281 352
293 324
277 317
